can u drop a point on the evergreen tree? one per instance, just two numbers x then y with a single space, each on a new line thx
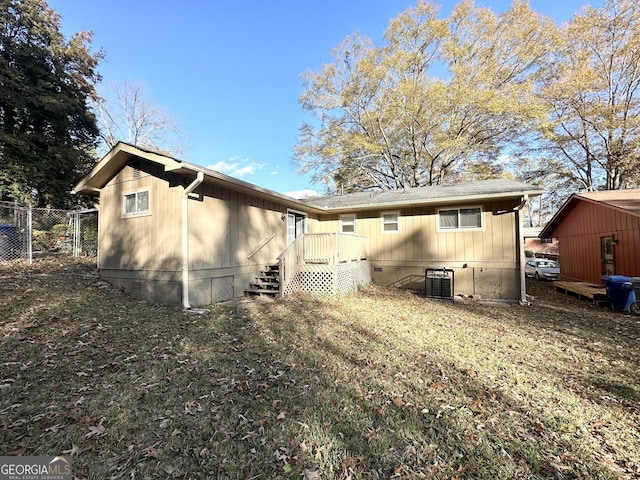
47 131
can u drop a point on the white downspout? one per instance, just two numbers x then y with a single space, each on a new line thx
523 281
185 239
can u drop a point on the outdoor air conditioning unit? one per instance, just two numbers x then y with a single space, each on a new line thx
438 283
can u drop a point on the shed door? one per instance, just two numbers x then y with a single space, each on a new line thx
296 226
606 247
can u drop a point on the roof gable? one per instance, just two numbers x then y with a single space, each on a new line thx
627 201
114 161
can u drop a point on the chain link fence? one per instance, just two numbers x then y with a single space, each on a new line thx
28 232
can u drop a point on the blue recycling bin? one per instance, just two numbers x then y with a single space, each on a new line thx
8 241
620 291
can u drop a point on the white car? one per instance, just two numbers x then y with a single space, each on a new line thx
542 269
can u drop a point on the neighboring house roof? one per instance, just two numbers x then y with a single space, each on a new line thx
627 201
116 159
531 232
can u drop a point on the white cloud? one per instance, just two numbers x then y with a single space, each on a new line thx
301 194
237 167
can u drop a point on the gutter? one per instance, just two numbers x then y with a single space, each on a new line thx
523 280
185 238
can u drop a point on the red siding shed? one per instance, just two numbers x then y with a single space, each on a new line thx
598 233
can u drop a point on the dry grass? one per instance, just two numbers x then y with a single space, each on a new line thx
381 384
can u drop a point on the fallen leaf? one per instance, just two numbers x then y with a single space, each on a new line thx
18 452
249 474
74 451
350 463
281 415
565 457
243 386
438 385
54 428
371 433
95 431
192 407
608 461
152 450
398 402
310 475
599 424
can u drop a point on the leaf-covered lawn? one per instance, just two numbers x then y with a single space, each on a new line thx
380 384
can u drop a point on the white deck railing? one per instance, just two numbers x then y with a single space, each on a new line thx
320 252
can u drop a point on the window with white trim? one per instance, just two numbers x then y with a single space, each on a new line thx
390 222
347 224
135 203
460 218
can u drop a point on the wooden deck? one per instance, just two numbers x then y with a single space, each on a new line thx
584 290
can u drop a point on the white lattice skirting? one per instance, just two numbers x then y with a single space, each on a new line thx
334 280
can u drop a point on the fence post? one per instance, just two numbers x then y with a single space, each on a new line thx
76 234
30 234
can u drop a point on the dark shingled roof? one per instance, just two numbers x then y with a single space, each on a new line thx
480 190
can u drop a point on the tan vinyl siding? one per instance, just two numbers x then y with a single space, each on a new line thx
230 237
227 226
485 260
235 234
155 236
420 240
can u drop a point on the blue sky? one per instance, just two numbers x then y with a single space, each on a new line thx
229 70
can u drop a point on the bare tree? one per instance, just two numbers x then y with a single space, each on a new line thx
593 94
129 116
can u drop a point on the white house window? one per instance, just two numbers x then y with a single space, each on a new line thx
390 222
135 203
460 218
347 224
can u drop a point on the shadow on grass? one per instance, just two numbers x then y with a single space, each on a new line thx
378 385
436 417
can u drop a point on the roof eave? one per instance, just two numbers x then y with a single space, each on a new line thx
119 155
242 186
436 201
108 167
